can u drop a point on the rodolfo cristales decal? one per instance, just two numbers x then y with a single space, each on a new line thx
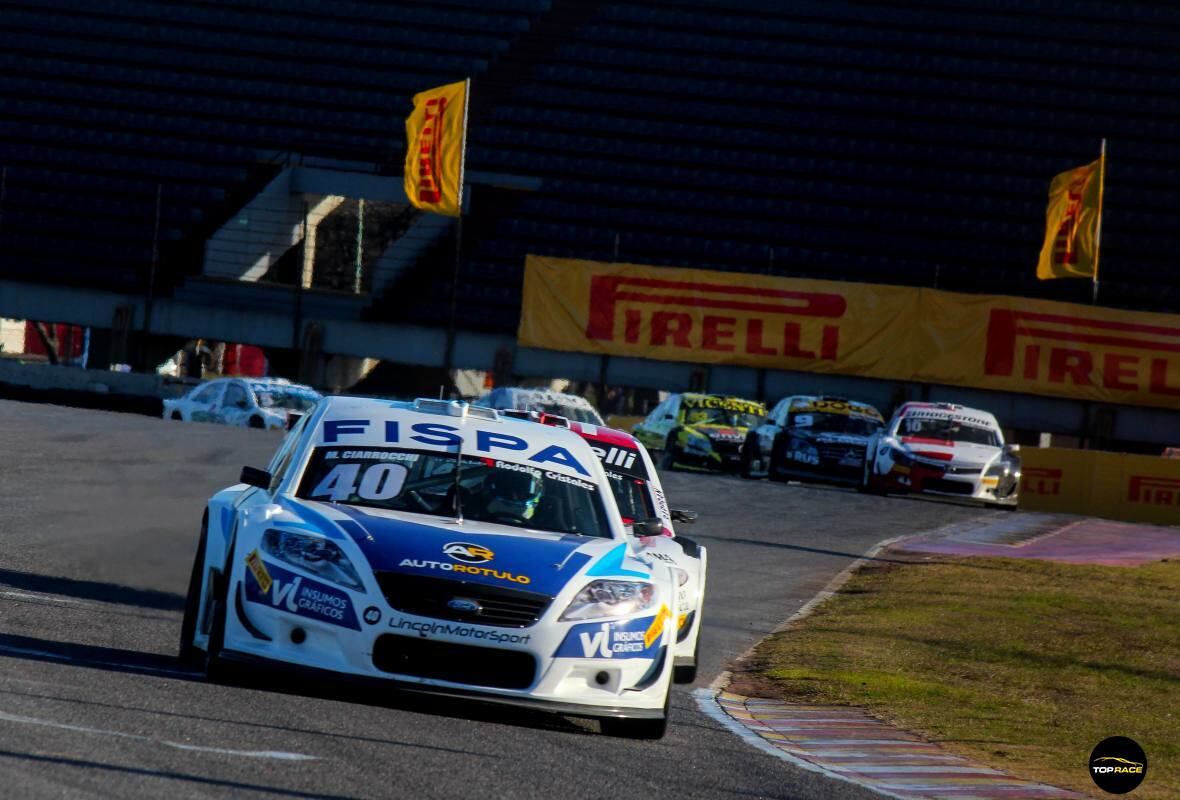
876 331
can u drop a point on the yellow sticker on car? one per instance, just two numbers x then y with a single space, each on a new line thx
656 629
258 570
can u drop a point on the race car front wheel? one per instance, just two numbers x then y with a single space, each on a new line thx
188 654
687 673
866 480
671 451
747 469
639 728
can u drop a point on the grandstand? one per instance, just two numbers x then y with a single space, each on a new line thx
900 141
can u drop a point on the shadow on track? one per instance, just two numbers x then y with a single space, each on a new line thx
800 548
92 590
111 659
237 786
372 692
244 723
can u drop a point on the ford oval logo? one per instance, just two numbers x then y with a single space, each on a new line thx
464 605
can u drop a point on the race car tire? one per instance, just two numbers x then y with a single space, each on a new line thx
687 673
188 653
866 486
747 460
256 422
217 669
639 728
176 415
668 457
776 454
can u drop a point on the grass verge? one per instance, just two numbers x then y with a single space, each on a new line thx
1022 665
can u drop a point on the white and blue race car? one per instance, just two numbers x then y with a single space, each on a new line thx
245 402
438 547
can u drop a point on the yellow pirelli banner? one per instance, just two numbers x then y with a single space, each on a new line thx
716 317
1113 485
435 134
875 331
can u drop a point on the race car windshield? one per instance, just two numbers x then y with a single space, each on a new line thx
949 430
423 482
835 423
721 416
278 398
573 413
632 498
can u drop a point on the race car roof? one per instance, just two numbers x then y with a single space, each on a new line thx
280 385
441 425
833 405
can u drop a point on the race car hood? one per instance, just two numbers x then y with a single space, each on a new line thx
415 544
956 454
721 433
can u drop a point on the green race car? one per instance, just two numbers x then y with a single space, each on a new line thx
700 432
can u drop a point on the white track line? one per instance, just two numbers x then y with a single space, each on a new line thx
279 755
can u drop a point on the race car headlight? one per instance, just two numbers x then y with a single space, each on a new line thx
1000 469
611 599
313 554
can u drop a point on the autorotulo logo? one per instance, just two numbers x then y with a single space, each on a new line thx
468 553
1118 765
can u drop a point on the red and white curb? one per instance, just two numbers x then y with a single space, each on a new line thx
848 744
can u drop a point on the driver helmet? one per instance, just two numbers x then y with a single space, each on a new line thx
514 494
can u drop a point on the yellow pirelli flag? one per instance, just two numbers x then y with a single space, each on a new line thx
1073 224
436 133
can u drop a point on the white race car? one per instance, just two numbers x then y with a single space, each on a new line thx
940 448
439 547
641 501
543 401
245 402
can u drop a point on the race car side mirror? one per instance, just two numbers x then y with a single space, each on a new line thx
648 527
252 476
684 515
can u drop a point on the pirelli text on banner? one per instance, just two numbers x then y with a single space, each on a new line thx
876 331
434 149
1071 224
1134 488
1041 347
712 317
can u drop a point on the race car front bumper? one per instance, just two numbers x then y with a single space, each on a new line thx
593 669
976 487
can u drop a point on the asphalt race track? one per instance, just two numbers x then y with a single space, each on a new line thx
98 517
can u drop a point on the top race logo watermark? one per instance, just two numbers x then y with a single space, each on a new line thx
1118 765
468 553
